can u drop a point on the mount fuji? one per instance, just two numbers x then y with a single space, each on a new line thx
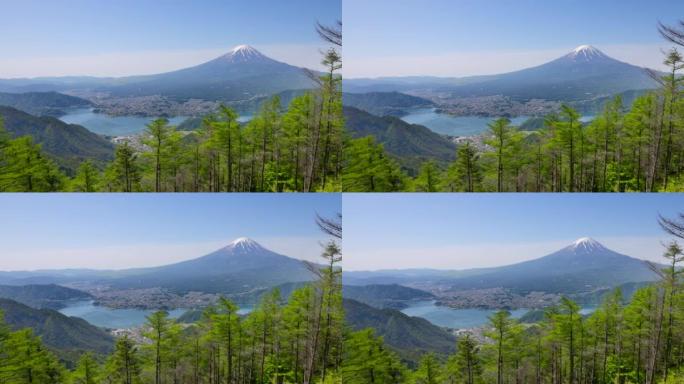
242 266
583 73
584 265
241 74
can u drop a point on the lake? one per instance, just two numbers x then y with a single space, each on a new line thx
459 318
111 125
459 125
454 318
453 125
120 317
110 317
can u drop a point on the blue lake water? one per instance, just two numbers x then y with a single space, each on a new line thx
109 317
459 318
119 317
454 318
453 125
111 125
459 125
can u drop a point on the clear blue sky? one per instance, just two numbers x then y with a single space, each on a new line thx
404 28
117 231
86 29
458 231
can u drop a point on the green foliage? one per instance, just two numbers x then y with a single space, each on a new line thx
369 169
367 360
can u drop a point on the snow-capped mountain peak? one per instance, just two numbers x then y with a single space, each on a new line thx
586 52
244 53
587 244
245 244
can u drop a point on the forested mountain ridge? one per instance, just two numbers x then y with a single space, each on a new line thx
68 144
409 144
68 336
50 296
409 336
42 103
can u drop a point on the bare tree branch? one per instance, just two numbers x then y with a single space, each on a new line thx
330 34
672 34
655 75
672 226
655 268
332 227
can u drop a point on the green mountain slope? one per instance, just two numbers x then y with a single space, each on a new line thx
42 103
411 144
409 336
68 144
50 296
67 336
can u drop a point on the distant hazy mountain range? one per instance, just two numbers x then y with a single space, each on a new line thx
241 74
583 266
241 266
585 73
